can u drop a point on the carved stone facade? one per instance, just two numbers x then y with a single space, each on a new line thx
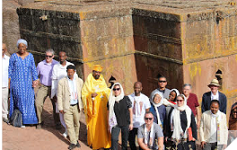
186 41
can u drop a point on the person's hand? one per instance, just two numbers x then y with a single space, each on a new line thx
198 125
130 126
93 95
166 139
193 139
34 83
55 99
61 111
202 144
224 146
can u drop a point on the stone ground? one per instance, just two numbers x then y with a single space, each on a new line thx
47 138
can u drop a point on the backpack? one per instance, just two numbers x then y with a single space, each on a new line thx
16 118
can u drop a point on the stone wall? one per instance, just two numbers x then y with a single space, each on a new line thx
188 42
209 45
158 48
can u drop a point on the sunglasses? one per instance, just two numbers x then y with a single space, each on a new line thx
48 56
162 81
148 118
116 89
234 112
179 100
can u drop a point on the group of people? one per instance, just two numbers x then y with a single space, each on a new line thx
165 120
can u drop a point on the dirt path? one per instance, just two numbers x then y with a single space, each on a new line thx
47 138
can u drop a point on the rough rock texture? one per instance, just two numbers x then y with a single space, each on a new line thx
10 24
188 42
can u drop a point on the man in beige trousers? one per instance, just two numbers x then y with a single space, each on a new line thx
70 104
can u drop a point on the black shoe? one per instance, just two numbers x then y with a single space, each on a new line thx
58 126
78 145
72 146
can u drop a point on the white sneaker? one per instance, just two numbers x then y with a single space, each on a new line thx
65 134
23 126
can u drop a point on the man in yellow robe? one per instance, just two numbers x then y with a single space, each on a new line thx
95 97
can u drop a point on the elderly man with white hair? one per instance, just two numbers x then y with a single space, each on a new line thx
44 70
23 78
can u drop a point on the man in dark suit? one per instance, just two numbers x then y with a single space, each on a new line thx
214 94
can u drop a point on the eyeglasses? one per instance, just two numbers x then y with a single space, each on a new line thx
48 56
162 81
148 118
234 112
179 100
116 89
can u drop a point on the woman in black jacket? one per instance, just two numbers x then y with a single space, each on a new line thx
120 116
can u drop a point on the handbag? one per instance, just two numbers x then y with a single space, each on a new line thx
16 118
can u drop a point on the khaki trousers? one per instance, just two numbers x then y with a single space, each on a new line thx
42 93
4 102
71 118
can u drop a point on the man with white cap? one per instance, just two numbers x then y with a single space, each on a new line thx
214 94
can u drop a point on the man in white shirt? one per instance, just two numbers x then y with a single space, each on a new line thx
59 72
70 104
140 105
5 64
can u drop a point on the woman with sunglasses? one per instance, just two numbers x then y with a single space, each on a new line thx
158 109
183 125
170 104
120 116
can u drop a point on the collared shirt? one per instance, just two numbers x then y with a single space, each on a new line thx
5 64
216 97
58 73
73 91
213 137
44 71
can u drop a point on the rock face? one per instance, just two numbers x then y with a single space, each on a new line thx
10 22
186 41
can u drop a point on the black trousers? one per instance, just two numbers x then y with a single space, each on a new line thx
115 134
187 145
131 138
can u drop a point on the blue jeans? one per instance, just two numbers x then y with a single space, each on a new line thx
115 134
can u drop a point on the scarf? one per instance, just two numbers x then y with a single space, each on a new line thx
137 107
149 139
233 121
112 99
158 105
175 120
170 103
